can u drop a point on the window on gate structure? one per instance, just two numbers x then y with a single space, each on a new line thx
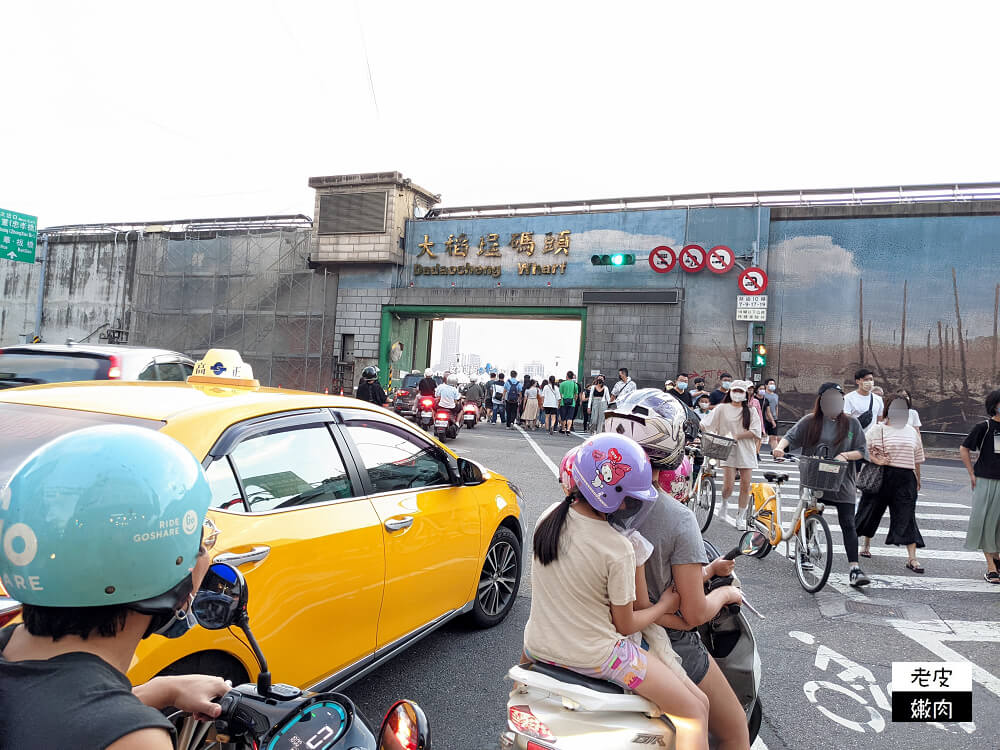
291 468
396 459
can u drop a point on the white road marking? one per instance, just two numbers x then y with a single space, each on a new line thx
924 516
935 644
941 505
922 554
921 583
541 454
944 533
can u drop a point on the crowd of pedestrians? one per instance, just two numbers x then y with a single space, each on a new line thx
864 426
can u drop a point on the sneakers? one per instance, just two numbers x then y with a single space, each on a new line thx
805 563
858 578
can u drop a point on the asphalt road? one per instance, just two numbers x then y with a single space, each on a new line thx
827 657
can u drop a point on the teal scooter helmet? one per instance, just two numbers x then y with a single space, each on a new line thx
108 515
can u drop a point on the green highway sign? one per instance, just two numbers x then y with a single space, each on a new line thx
18 236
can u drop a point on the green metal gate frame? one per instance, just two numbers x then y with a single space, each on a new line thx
486 311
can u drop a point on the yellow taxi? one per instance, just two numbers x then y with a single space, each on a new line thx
358 534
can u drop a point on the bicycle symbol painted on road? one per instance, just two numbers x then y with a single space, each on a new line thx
860 685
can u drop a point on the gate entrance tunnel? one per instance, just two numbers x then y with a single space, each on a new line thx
474 341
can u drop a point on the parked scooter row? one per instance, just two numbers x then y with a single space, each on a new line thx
552 707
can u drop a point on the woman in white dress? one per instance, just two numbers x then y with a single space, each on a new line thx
735 419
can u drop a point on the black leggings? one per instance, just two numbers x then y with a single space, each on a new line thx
845 517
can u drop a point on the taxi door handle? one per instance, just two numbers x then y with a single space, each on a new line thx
399 523
236 559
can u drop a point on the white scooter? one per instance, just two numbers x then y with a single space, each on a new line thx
552 708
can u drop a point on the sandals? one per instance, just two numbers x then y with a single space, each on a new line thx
865 553
914 566
992 577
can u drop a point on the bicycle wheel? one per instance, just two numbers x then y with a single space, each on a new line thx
814 560
704 504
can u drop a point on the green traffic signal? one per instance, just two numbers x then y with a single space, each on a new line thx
759 355
615 259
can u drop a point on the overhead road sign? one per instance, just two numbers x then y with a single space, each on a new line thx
693 258
662 259
18 236
753 281
721 259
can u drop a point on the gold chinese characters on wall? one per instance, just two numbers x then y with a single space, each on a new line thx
523 244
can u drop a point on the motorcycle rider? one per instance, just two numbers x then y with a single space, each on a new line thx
657 422
109 518
448 396
584 566
474 393
427 384
370 389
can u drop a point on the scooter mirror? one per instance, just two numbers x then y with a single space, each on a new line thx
753 544
405 727
221 599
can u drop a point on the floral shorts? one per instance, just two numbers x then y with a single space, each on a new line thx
625 667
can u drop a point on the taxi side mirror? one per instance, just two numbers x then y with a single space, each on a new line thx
469 473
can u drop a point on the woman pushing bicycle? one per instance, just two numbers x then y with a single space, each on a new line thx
829 432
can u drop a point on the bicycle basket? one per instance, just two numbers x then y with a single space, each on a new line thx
716 446
821 474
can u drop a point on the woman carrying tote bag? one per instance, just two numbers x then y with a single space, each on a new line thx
897 448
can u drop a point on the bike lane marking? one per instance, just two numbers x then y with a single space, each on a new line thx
541 454
933 641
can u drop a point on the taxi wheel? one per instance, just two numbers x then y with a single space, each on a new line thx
215 663
499 579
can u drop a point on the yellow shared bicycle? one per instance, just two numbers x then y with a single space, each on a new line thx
806 536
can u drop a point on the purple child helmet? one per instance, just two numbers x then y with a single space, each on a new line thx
609 468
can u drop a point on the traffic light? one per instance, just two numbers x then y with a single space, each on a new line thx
759 355
614 259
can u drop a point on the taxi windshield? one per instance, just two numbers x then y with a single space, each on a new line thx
23 428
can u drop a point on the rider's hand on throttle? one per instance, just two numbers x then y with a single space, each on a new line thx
722 567
194 693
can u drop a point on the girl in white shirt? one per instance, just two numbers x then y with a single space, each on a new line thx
550 403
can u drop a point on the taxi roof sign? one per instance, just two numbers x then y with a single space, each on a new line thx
223 366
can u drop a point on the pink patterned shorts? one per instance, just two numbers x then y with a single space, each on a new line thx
625 667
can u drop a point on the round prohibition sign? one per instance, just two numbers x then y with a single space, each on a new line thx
753 281
693 258
721 259
662 259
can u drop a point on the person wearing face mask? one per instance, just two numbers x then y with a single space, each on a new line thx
678 389
863 402
756 398
897 447
62 671
830 432
984 521
703 407
734 418
771 420
719 394
697 389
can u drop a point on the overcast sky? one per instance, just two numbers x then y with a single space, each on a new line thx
511 343
156 110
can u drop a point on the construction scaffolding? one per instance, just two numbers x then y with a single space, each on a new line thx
244 284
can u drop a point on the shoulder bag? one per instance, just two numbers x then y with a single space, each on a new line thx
870 475
866 418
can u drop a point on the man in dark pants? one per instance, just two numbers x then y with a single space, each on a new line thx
511 397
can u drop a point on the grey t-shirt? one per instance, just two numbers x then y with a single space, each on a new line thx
853 441
772 401
673 531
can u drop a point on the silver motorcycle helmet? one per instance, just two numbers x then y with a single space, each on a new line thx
655 420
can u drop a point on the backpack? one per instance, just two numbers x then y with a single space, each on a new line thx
513 391
498 391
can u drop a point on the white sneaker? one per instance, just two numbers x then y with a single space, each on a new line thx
741 522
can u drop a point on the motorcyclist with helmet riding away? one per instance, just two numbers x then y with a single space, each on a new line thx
111 548
448 396
427 384
657 422
369 389
582 565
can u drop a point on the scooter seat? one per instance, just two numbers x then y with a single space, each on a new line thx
772 476
573 678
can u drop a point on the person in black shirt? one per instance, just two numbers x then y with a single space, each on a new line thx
427 385
91 593
716 397
984 520
369 389
678 389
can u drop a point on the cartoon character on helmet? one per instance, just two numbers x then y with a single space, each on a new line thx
566 471
654 419
675 481
107 515
608 469
369 373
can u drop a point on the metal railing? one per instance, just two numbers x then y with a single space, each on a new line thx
976 191
238 223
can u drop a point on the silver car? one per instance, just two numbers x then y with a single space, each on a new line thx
30 364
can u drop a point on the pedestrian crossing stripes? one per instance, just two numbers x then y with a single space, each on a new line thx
921 583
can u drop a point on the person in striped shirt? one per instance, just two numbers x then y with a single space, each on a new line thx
897 447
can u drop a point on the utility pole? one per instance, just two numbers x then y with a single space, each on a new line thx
44 260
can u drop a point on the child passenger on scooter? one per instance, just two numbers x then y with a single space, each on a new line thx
584 587
679 561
